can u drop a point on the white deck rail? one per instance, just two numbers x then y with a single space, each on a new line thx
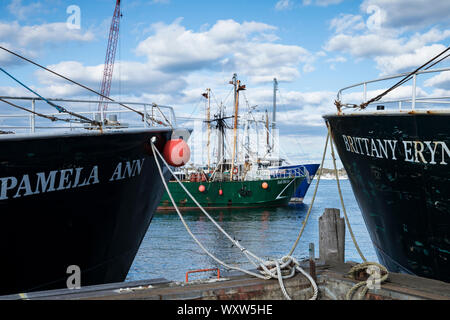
413 100
156 115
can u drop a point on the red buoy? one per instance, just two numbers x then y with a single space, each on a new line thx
177 152
265 185
220 192
201 188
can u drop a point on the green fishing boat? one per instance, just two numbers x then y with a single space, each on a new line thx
231 194
239 181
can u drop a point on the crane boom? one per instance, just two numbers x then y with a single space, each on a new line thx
110 56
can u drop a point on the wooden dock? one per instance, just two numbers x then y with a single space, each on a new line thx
332 280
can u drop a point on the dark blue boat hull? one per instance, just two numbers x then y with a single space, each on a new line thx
398 166
84 200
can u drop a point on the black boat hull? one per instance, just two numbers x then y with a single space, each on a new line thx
398 166
85 200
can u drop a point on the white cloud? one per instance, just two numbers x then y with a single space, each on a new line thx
30 40
44 34
176 58
305 108
13 92
333 61
400 93
408 61
131 77
364 46
284 5
337 59
346 23
411 14
393 49
303 148
368 45
226 45
21 11
442 81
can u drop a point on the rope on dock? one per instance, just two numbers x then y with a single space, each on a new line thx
280 269
365 267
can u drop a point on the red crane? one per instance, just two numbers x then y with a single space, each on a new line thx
110 57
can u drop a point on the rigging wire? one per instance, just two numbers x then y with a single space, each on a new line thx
57 107
438 61
72 81
195 109
228 95
398 84
52 118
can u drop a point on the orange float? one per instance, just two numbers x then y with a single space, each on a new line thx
177 152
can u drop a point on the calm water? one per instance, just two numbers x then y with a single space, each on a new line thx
168 251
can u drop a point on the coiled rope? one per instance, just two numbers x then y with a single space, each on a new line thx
366 267
280 269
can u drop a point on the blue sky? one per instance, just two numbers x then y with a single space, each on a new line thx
170 51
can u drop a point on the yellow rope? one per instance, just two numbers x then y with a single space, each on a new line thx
313 198
365 264
342 199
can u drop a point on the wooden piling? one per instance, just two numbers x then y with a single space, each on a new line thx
312 262
331 236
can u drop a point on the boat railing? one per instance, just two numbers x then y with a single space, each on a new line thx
411 102
116 116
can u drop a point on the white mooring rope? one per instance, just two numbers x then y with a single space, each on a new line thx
280 269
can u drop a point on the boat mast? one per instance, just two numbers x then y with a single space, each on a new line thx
207 95
237 87
234 83
267 132
220 139
274 112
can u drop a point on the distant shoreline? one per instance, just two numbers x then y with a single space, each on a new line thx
329 174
